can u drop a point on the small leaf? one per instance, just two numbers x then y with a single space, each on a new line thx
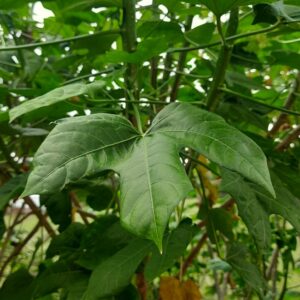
54 96
201 34
114 274
100 197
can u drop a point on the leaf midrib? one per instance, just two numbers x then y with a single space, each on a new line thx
150 187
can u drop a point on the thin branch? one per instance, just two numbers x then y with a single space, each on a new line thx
288 104
193 254
60 41
78 208
228 39
294 135
19 248
181 63
255 101
42 218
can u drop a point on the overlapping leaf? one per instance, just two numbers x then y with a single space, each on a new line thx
153 180
255 205
54 96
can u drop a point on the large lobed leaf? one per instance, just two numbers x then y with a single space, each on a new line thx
153 180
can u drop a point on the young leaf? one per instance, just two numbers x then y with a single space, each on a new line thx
54 96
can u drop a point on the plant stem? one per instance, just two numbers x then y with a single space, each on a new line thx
181 63
42 218
60 41
193 254
129 41
223 61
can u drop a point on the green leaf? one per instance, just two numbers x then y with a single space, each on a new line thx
74 150
12 189
61 275
220 7
174 245
17 286
285 58
54 96
10 4
255 205
149 165
201 34
100 197
59 209
210 135
249 207
237 257
270 13
114 274
158 180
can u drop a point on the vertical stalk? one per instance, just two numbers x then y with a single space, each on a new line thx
129 42
214 94
129 45
181 63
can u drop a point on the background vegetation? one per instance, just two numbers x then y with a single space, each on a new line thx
120 179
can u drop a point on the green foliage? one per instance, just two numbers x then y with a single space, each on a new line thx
138 142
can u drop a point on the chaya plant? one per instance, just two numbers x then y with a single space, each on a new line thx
173 174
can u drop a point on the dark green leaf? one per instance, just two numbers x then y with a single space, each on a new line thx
59 209
237 257
174 245
17 286
115 273
100 198
201 34
255 205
